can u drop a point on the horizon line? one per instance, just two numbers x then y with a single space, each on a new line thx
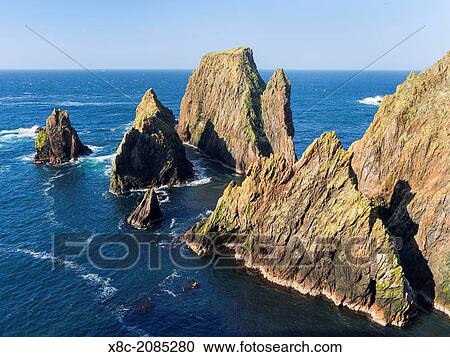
192 69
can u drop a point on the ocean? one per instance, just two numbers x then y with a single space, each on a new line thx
78 299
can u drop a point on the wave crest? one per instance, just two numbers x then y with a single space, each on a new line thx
371 100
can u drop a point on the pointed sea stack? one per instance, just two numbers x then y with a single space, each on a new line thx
403 160
277 115
307 227
58 142
151 153
147 213
221 110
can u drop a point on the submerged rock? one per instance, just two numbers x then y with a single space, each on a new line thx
58 142
151 153
147 213
403 160
221 110
307 227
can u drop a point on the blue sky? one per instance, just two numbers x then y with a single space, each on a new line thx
293 34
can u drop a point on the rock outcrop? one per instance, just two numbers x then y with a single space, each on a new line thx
58 142
147 213
151 153
221 110
307 227
403 160
277 115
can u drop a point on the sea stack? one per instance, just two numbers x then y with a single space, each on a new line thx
277 115
147 213
58 142
307 227
151 153
221 111
403 160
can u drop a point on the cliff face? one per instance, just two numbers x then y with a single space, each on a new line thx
151 153
221 110
308 227
277 115
58 142
403 159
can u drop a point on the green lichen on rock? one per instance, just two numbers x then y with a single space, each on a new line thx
41 140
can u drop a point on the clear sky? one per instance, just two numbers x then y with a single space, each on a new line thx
293 34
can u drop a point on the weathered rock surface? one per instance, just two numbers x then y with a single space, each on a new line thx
221 110
307 227
151 153
277 115
147 213
58 142
404 160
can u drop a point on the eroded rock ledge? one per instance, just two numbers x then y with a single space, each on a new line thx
58 142
151 153
228 113
308 227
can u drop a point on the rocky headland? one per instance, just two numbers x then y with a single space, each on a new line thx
366 227
151 153
58 142
230 115
403 160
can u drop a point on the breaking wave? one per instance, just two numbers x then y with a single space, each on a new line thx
17 134
372 100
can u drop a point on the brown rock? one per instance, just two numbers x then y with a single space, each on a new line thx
403 160
277 115
58 142
147 213
221 109
308 227
151 153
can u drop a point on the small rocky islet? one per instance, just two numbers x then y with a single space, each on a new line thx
58 142
327 224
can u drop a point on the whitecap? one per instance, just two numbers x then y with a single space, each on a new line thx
95 148
372 100
170 292
12 135
103 158
27 157
106 289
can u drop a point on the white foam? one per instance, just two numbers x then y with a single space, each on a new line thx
104 158
95 148
27 157
18 134
372 100
106 289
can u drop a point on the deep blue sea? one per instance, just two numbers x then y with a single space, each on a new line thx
77 299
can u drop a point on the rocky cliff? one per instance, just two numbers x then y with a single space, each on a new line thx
308 227
221 110
151 153
147 213
58 142
403 160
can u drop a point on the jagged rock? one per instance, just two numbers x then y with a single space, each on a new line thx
221 110
147 213
277 115
151 153
307 227
404 161
58 142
